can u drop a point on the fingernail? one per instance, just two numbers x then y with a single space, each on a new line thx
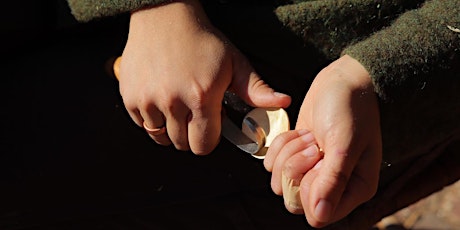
311 151
308 137
278 94
323 211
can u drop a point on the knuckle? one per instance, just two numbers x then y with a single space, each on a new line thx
128 100
340 179
167 104
137 101
169 101
288 169
259 83
198 98
281 139
336 180
129 103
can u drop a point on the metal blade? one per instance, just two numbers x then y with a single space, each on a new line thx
234 134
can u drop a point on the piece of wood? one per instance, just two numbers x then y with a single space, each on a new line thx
273 122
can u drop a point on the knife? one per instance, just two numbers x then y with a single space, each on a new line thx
229 130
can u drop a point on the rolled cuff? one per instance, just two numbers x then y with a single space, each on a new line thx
404 56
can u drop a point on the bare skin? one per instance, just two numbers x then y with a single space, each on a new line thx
339 114
175 69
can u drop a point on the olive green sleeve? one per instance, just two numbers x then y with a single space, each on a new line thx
331 25
419 42
87 10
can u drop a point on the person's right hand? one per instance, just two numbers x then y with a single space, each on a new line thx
340 114
175 70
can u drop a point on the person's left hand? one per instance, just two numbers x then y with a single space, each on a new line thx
340 115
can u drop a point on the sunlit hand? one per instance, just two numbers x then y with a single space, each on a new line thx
175 69
339 114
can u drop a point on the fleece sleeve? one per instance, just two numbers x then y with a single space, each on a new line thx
87 10
331 25
418 43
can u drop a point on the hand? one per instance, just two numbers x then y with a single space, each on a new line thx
340 112
175 70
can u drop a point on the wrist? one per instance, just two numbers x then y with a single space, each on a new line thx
356 73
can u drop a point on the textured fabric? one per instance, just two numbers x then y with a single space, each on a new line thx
422 39
86 10
331 25
418 43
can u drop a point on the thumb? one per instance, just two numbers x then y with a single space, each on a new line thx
330 198
249 86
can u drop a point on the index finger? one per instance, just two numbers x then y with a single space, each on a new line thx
204 130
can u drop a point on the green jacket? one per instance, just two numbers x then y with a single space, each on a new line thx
396 40
411 49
